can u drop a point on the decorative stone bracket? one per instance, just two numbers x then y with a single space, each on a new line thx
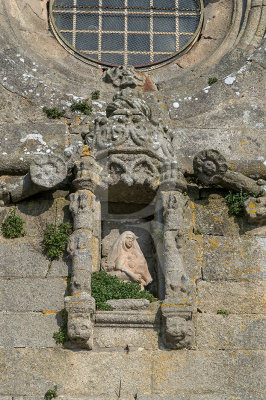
211 168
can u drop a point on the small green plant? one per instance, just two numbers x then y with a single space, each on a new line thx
223 312
198 232
95 95
55 239
12 227
235 202
51 393
159 233
82 107
61 336
107 287
53 113
213 80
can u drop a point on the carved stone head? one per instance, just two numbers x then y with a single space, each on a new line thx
178 333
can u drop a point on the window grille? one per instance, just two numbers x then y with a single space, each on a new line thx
141 33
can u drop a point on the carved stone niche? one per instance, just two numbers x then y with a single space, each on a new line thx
130 182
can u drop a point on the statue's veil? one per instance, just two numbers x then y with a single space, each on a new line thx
119 248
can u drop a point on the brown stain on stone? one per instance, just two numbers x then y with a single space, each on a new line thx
149 86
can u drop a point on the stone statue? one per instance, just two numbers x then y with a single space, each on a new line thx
127 261
179 333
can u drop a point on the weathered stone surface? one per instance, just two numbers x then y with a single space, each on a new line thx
123 338
206 396
211 217
235 297
233 258
209 372
230 332
32 294
28 329
21 258
28 372
29 142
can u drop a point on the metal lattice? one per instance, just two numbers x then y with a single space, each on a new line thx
127 32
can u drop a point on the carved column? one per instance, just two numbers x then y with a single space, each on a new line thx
177 329
84 249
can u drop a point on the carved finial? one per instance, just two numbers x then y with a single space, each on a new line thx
210 166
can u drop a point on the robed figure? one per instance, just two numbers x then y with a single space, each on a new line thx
126 260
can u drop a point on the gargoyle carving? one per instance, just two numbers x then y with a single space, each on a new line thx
178 333
211 168
81 310
123 77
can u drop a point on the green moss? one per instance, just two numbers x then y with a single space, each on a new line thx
53 113
213 80
198 232
95 95
51 393
107 287
61 336
82 107
223 312
12 227
55 239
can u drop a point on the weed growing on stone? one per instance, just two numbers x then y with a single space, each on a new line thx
213 80
107 287
235 202
197 232
95 95
61 336
82 107
53 113
159 233
51 393
223 312
12 227
55 239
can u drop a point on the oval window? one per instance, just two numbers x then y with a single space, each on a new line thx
140 33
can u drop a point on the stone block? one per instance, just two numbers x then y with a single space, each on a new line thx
211 217
235 297
197 372
31 372
206 396
129 304
22 258
230 332
27 141
233 258
32 294
28 329
125 338
43 210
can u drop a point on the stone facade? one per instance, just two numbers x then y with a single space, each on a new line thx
157 156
